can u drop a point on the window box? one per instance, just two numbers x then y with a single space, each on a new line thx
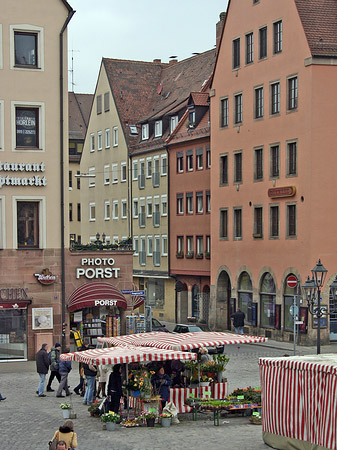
207 255
189 255
179 255
199 256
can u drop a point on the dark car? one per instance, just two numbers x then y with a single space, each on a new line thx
197 327
157 326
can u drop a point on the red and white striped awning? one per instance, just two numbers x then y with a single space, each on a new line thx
183 341
125 355
96 294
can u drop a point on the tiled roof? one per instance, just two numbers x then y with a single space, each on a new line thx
79 111
183 134
200 98
319 20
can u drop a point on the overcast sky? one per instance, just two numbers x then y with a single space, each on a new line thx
137 29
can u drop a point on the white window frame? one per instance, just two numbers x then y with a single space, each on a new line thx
114 170
92 142
99 140
107 240
115 239
135 246
190 244
200 204
149 247
135 213
189 204
91 179
145 132
124 205
200 245
42 200
173 123
107 174
162 159
115 136
92 217
180 205
164 243
42 125
115 207
158 128
123 167
200 161
92 239
2 114
163 202
27 28
107 138
148 203
149 168
135 170
189 162
107 210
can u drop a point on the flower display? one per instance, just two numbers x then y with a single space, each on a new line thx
206 379
65 406
150 414
110 417
166 415
140 381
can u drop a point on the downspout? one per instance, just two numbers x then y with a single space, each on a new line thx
71 12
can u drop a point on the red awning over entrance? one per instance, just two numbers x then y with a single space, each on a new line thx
96 294
15 305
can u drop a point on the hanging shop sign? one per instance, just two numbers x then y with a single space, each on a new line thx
280 192
31 180
46 277
14 298
107 271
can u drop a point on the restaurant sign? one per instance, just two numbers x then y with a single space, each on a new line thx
46 277
280 192
29 179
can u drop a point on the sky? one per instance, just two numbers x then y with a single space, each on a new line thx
141 30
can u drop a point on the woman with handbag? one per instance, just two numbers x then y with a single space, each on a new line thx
64 433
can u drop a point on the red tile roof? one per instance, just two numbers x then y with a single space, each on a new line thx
200 98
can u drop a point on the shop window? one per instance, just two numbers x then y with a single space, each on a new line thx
267 301
28 224
156 293
27 127
245 296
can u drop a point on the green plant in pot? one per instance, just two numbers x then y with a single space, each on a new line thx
94 409
150 416
165 419
110 420
66 407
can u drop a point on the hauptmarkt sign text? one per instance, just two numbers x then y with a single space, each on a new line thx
25 174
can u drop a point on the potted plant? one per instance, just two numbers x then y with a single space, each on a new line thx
165 419
110 419
220 363
205 380
94 409
66 407
145 384
150 417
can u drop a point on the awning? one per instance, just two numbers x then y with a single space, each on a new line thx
96 294
15 305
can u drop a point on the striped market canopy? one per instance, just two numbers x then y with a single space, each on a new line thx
182 341
125 355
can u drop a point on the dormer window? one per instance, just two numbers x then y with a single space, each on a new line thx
191 119
173 123
158 128
145 132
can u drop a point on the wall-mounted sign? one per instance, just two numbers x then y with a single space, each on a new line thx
14 294
46 277
107 271
42 318
34 180
279 192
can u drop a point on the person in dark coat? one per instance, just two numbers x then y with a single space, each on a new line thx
161 383
79 389
64 369
238 321
115 388
54 366
42 367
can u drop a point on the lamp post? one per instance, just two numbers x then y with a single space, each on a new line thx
312 289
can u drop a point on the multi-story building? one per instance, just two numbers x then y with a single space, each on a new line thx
273 180
33 149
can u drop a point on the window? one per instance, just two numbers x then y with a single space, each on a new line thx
156 253
106 102
180 245
163 160
189 202
245 297
107 138
258 164
237 167
200 158
115 209
208 245
275 98
189 246
237 223
124 207
92 142
189 160
135 207
180 203
28 234
156 212
200 202
123 172
292 93
91 176
267 301
106 210
141 176
115 136
149 245
173 123
249 48
200 246
224 112
263 43
274 221
149 168
135 245
180 162
141 217
208 157
236 53
164 245
114 168
107 174
277 27
223 231
92 212
164 205
208 202
274 161
142 252
237 108
191 118
291 221
78 212
158 128
70 180
258 103
258 222
292 159
26 49
27 129
135 170
145 131
99 140
149 207
78 179
99 104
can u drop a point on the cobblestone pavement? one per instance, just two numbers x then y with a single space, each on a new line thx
28 422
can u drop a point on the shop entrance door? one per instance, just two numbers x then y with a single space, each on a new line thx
333 316
13 334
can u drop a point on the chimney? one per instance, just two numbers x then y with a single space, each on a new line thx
158 61
172 61
219 28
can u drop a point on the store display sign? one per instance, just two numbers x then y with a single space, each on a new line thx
280 192
107 271
42 318
77 316
46 277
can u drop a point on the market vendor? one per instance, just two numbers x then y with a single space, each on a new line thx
115 388
161 383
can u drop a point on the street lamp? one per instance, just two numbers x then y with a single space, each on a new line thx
312 293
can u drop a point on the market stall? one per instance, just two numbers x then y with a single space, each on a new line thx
299 408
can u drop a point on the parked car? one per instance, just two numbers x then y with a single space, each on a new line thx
158 326
197 327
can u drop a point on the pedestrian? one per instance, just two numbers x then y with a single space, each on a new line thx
238 321
79 389
90 372
66 434
1 397
161 383
203 355
64 369
42 367
102 377
115 390
54 358
61 445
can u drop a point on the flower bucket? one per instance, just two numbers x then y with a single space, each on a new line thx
66 413
135 393
110 426
150 422
220 376
204 383
165 422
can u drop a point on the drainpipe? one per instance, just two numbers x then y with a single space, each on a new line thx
71 12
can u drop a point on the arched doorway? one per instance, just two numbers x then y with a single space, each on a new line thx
182 295
223 294
195 301
267 301
245 297
204 307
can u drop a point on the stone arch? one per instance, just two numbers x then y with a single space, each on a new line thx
223 295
